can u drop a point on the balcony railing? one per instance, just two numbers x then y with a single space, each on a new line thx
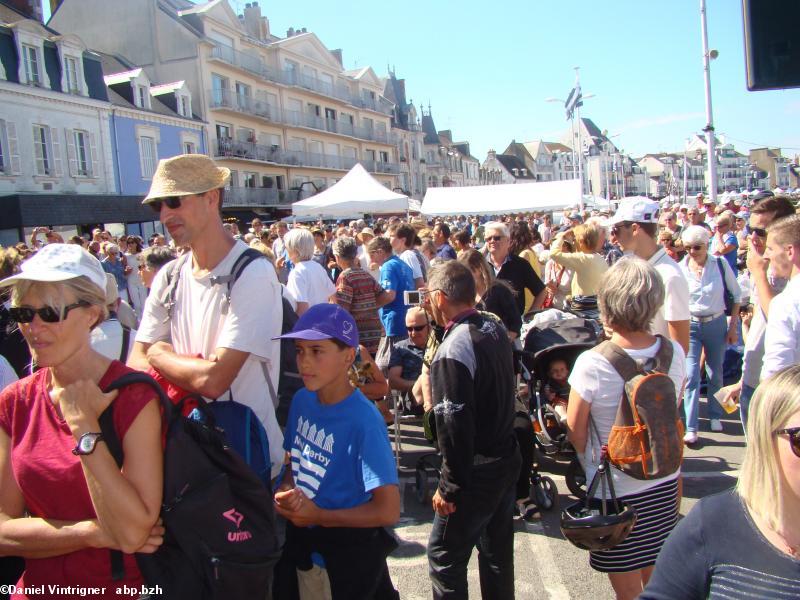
228 148
241 197
228 100
256 66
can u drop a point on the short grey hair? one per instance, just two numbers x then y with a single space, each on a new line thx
497 226
630 295
696 235
455 280
301 242
345 247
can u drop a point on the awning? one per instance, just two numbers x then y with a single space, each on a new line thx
30 210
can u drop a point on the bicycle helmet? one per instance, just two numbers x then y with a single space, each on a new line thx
597 524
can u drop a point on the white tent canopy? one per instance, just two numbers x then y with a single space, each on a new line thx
357 193
501 199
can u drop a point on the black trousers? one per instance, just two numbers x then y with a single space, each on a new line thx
484 518
523 429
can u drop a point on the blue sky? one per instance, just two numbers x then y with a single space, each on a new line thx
486 68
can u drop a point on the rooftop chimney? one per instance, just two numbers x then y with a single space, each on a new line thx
254 23
338 54
290 32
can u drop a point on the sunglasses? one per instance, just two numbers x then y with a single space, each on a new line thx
617 228
48 314
416 328
494 238
695 248
759 231
794 438
172 202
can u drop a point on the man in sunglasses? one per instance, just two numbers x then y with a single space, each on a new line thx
511 268
635 229
765 284
191 332
405 362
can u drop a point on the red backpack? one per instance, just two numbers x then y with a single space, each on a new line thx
646 440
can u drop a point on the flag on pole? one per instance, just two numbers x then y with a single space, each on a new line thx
574 100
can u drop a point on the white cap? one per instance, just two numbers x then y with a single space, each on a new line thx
637 209
60 262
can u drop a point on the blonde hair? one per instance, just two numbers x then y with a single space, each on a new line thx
52 294
776 400
587 236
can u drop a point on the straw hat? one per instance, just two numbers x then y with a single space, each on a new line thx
367 232
185 175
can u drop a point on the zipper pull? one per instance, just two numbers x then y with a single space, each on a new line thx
215 562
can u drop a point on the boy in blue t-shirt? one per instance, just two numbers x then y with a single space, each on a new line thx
342 487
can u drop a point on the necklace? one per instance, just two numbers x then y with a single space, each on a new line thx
793 550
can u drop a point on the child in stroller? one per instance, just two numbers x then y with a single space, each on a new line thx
557 388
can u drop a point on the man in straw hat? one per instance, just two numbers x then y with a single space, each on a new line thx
193 335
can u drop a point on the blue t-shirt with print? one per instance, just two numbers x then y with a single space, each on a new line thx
339 452
395 276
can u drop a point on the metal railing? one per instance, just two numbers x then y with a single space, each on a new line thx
256 66
245 196
229 100
229 148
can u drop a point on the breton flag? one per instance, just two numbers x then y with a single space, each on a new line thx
574 100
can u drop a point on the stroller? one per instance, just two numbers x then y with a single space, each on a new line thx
564 340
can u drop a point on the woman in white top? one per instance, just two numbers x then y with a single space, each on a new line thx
136 291
629 297
709 328
308 282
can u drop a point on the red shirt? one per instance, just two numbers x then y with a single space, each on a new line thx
52 481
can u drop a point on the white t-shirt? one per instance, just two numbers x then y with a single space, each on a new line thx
308 282
7 373
598 383
676 299
201 322
410 259
106 339
782 339
546 233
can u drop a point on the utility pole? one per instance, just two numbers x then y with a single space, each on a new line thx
709 128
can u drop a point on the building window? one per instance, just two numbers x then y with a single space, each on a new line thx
5 164
31 58
185 104
71 71
142 99
43 150
148 156
82 154
384 157
189 148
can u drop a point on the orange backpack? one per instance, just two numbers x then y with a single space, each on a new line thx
646 440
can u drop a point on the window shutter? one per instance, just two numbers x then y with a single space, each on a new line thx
72 155
13 148
38 142
92 155
56 146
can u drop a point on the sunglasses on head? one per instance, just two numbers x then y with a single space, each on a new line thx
794 438
494 238
759 231
416 327
172 203
48 314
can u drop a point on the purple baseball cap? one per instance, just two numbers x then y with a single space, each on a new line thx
323 322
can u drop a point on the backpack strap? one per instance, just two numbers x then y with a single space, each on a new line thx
245 258
619 359
126 340
663 358
170 292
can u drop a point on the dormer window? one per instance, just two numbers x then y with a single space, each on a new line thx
30 55
142 96
72 75
185 106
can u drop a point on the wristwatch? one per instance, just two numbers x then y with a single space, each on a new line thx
87 443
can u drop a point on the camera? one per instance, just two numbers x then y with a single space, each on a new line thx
413 297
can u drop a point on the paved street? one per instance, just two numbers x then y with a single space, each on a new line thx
546 565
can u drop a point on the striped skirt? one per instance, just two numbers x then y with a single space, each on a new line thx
657 514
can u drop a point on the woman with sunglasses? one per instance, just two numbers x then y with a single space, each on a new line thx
745 542
709 329
64 503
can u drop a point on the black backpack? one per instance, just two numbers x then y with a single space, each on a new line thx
289 380
220 540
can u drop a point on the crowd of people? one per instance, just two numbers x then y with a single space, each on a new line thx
433 309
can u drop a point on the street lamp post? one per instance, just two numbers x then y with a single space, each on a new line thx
709 128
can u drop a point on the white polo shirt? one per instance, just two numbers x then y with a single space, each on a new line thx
782 340
676 299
